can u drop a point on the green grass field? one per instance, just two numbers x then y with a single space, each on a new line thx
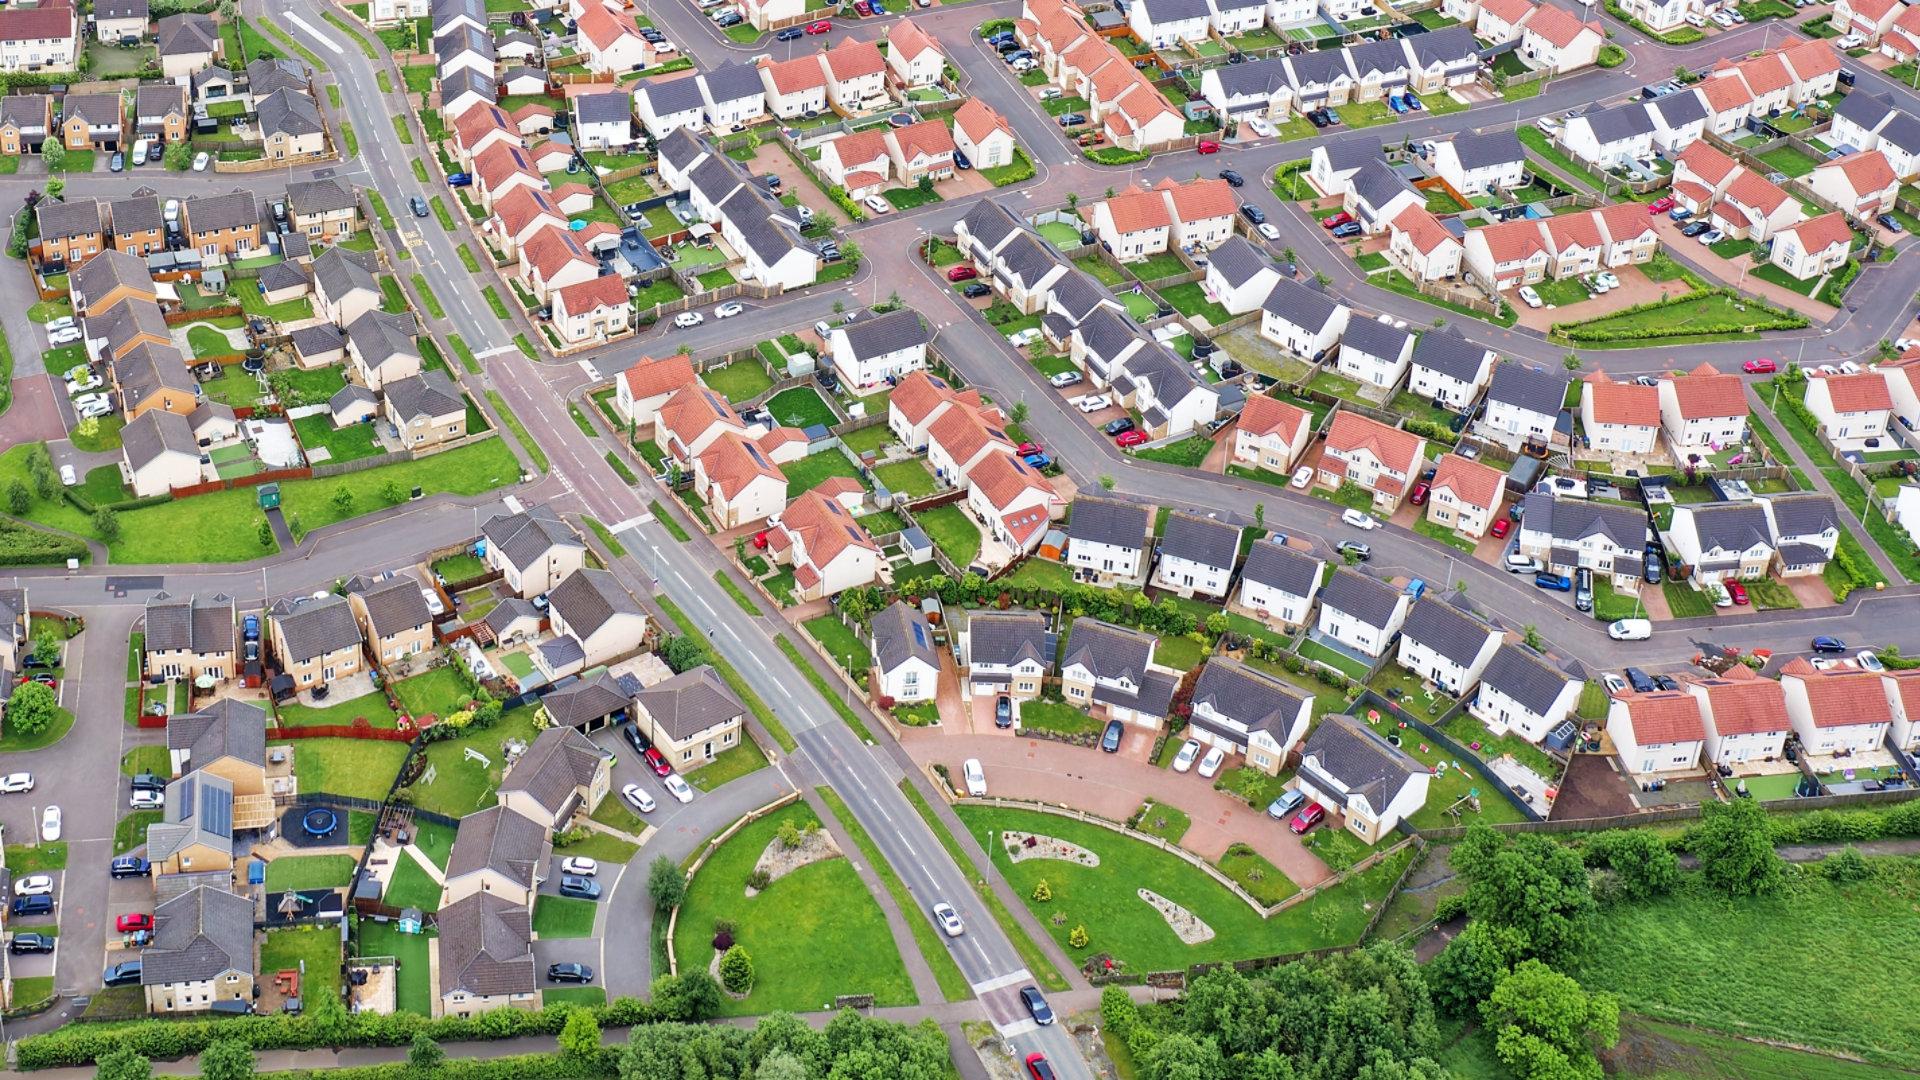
563 917
415 977
310 872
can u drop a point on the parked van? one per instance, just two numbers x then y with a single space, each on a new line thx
140 152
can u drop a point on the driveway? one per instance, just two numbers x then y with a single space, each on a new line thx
35 415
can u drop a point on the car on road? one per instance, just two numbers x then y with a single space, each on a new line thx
1065 379
1210 764
1267 230
1036 1004
1302 477
1359 519
1355 548
948 919
15 783
1547 579
1038 1068
637 796
1131 438
573 973
129 866
688 319
962 273
1287 803
1831 645
791 33
1738 593
1351 228
1232 178
127 924
125 973
678 788
50 824
1189 752
419 206
1531 298
729 309
975 776
1309 816
30 943
33 885
1630 629
1336 220
1253 213
1110 738
821 27
1115 427
581 865
877 204
578 887
1762 366
1208 146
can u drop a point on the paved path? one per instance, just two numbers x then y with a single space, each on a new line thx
1738 272
1820 482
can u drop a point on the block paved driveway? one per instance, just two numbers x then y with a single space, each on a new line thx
1114 785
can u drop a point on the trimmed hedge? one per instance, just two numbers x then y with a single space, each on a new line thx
1778 320
21 545
525 1067
87 506
1114 155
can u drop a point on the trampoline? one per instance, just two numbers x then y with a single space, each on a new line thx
320 822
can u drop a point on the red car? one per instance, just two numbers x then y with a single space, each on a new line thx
1660 205
962 273
1208 146
1737 591
1309 816
127 924
1420 494
1761 366
760 539
820 27
1131 438
1336 220
1501 528
1031 448
657 761
1038 1068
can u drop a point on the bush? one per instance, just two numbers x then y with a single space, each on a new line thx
1078 937
32 709
1611 56
758 880
736 971
994 26
1114 155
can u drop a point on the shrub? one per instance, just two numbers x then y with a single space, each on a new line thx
1611 56
1042 892
758 880
1078 938
736 971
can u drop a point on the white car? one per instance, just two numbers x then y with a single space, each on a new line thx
1267 230
15 783
1523 564
728 310
1092 403
581 865
1606 280
1211 763
99 406
1613 684
688 318
35 885
976 778
1302 477
1721 18
638 796
68 476
1359 519
147 800
877 204
201 160
949 920
1189 750
1695 19
65 337
50 824
1531 298
677 787
1869 660
1066 378
90 381
1630 630
1851 41
64 322
1261 127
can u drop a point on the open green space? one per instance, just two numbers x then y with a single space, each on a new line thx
847 647
953 985
411 886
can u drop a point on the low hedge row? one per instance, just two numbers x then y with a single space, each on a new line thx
22 545
1773 320
87 506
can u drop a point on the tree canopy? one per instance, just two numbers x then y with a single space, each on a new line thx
1529 884
1735 848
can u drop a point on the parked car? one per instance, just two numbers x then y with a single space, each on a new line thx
1630 629
1583 589
656 761
1092 403
729 309
821 27
1002 711
962 273
1072 119
125 973
1420 493
147 800
1131 438
1869 660
1761 366
1115 427
877 204
1210 764
1287 803
1189 751
1267 230
687 319
580 865
573 973
1711 237
1359 519
30 943
1660 205
50 824
791 33
127 924
460 179
1336 220
1312 814
1208 146
1355 548
1501 528
1546 579
1065 378
1889 223
637 796
1831 645
1696 229
34 885
975 776
16 783
1110 738
677 787
579 888
1530 297
1641 682
979 289
129 866
1302 477
1254 213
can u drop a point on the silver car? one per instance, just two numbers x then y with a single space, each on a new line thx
948 919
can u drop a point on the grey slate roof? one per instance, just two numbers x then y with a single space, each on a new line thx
1452 47
525 538
901 635
266 75
1446 630
1529 388
1370 600
586 701
284 275
394 605
1078 294
1350 154
320 196
1281 567
1486 149
500 840
124 324
197 625
1110 652
1318 69
882 334
323 338
1008 639
227 728
61 220
234 210
1375 338
588 598
486 947
1201 540
98 110
156 432
990 223
690 702
558 763
1345 750
185 34
562 651
1108 334
468 81
1376 185
198 937
1165 11
1448 352
160 99
1029 259
337 272
430 394
379 336
673 96
1804 515
1523 676
1681 109
731 82
112 268
1377 57
315 628
288 112
1573 520
1731 527
508 612
1256 700
715 178
1238 261
1301 305
1865 108
447 12
1903 131
1261 78
120 9
465 39
604 108
1620 122
28 112
681 148
1109 521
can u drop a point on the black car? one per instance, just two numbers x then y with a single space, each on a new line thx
1654 558
977 288
1695 228
1666 682
32 905
574 973
147 781
126 973
731 18
129 866
828 380
30 943
1254 214
1110 738
1824 644
1007 46
1120 426
419 206
579 888
640 743
1003 711
1317 118
1641 682
1355 548
1233 178
791 33
1888 222
1037 1006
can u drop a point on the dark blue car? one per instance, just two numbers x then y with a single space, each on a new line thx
1351 228
1556 582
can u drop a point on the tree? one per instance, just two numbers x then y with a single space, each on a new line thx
1681 74
683 653
1019 412
46 648
925 183
1106 481
1073 199
343 498
665 883
1109 193
1472 964
1733 845
1572 361
264 530
1042 892
1530 634
1543 1022
40 471
424 1055
179 157
1530 884
226 1059
839 307
692 997
1322 279
106 525
1440 322
736 970
1287 255
1078 938
18 497
1217 623
1642 863
580 1038
393 492
780 1065
1260 515
124 1063
57 188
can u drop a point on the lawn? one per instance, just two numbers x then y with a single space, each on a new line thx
909 478
468 470
411 887
1101 271
1536 140
1684 601
1188 452
372 706
1191 300
563 917
801 407
436 692
807 473
738 381
812 933
310 872
1165 264
1103 899
1791 160
868 440
1313 650
1059 718
462 785
358 768
745 757
312 949
1251 870
1670 323
1166 822
414 977
348 443
955 533
847 647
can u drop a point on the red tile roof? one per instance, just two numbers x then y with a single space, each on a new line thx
522 207
53 22
1844 697
1710 393
1574 230
1510 11
651 378
824 528
1470 481
794 76
1002 479
1811 59
609 291
1724 92
733 463
1664 717
1559 27
551 250
929 138
1422 229
1817 234
852 59
1765 74
1864 392
498 163
474 124
1263 416
1623 403
1707 163
1626 222
1199 200
908 40
861 147
978 121
1512 241
1747 706
1868 173
1392 447
961 434
603 27
692 410
1134 210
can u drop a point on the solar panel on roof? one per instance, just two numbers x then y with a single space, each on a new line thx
853 533
920 635
216 810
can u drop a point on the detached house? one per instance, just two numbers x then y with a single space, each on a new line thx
1465 495
640 390
1609 137
1271 434
1619 418
739 480
1240 276
499 853
1722 541
1302 319
1851 408
1108 539
560 773
1752 207
1523 405
598 619
914 58
25 120
1356 774
1743 717
829 551
70 232
1813 247
856 75
1202 212
1863 186
1447 368
983 135
1245 711
482 958
1522 693
1503 256
201 952
188 637
923 149
187 42
1134 224
1422 247
1166 23
692 718
1278 583
904 654
794 86
1255 88
1381 459
1480 164
1361 612
1006 653
1559 41
1658 733
1805 530
1703 409
1197 555
1446 646
1375 353
533 550
1113 666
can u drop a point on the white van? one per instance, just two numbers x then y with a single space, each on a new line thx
1630 630
139 156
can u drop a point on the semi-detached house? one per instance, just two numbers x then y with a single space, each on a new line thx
1271 434
1446 367
1657 733
1568 534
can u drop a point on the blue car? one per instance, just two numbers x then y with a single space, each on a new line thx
791 33
1038 461
1415 588
1394 103
1351 228
1556 582
1824 644
1413 103
1679 213
251 627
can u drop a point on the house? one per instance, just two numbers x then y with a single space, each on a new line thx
1446 646
642 389
740 482
1022 267
502 167
392 615
1197 556
1239 275
1679 119
1321 79
1113 666
1271 434
1903 702
1568 534
290 125
1445 58
1375 353
89 121
1704 408
859 162
160 111
1246 711
590 311
1005 652
1805 530
1465 495
560 774
70 232
1811 248
226 739
520 214
1815 66
426 408
1302 319
16 625
598 614
315 641
344 288
983 135
828 550
187 43
201 952
1610 137
188 637
665 105
1012 499
1361 612
794 86
1422 247
465 47
497 852
960 439
605 121
388 12
1446 368
1379 68
482 958
25 120
533 549
1743 717
611 40
1868 18
1852 408
1255 88
1575 244
195 832
767 237
913 56
323 208
1523 405
222 227
690 419
1523 694
1863 186
768 14
1201 211
1134 224
159 452
381 349
1658 733
1619 418
1370 784
1481 163
882 348
692 718
1377 194
1838 710
904 654
1231 18
120 22
1107 539
1171 397
1729 541
1279 583
1729 104
1499 21
1512 253
1167 23
1378 458
856 75
552 259
115 276
734 96
1556 40
1753 207
481 126
150 376
1858 119
596 701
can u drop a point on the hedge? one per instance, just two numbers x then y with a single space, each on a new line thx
87 506
1439 433
524 1067
994 26
1780 321
1021 169
1114 155
1832 826
21 545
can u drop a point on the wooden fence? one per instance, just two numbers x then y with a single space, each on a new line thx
713 844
